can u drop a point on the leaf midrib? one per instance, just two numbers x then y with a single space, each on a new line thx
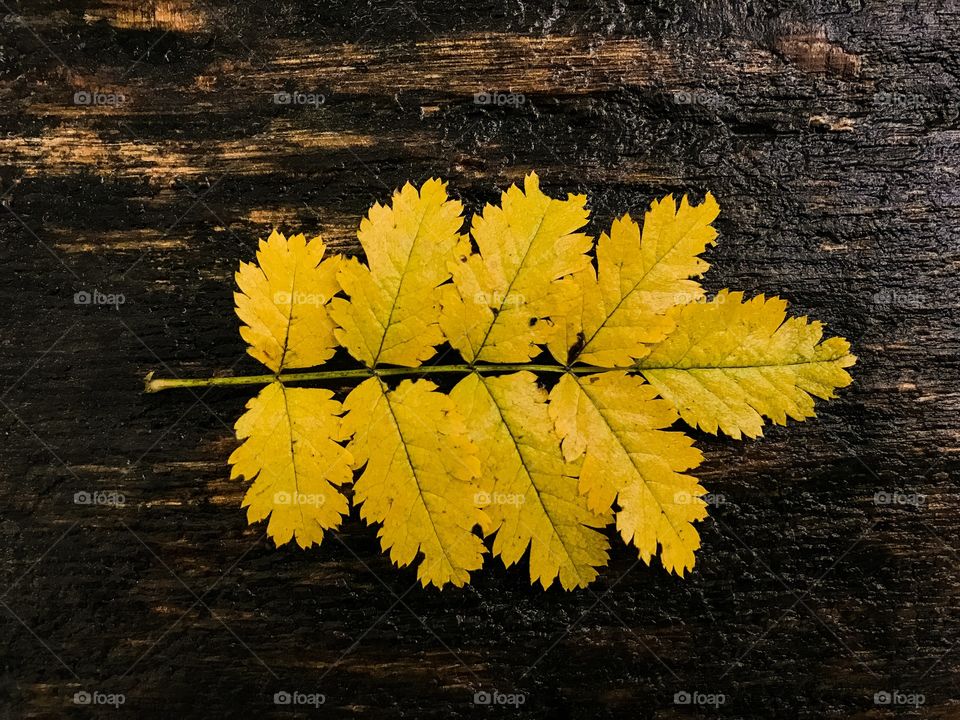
633 289
529 474
636 470
286 337
293 455
403 276
513 280
413 472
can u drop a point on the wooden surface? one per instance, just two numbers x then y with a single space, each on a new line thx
829 134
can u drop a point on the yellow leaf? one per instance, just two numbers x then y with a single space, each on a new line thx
420 479
729 363
282 301
290 452
530 492
498 307
620 308
540 474
613 421
392 314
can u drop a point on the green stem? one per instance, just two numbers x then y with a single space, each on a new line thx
152 385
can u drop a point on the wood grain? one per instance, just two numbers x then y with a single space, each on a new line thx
829 133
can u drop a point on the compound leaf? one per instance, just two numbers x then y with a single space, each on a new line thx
619 309
615 423
729 363
531 491
540 473
419 479
283 302
290 450
393 311
502 298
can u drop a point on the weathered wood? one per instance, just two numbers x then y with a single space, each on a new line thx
828 132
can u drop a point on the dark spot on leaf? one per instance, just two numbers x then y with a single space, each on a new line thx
577 347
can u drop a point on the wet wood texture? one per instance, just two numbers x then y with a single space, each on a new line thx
143 151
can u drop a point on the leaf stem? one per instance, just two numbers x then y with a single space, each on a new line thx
152 385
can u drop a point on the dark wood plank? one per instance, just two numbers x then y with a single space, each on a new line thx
829 133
